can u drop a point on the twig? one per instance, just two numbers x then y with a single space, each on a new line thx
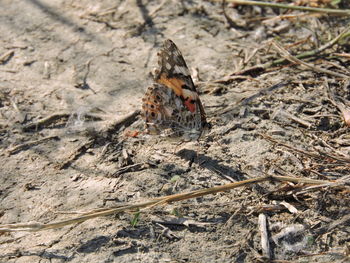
26 145
316 187
228 19
310 154
344 55
78 152
296 119
167 232
345 12
230 78
180 221
340 105
223 175
335 224
21 116
125 120
132 167
157 8
316 51
6 57
154 202
293 59
9 70
291 208
310 53
265 244
260 93
334 64
291 16
63 116
81 74
46 121
326 144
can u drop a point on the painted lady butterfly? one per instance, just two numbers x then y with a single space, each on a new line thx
171 106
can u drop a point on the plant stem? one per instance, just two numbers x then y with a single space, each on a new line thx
345 12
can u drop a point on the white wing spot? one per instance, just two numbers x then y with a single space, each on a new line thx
182 70
168 66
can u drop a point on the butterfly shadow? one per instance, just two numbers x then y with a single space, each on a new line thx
229 173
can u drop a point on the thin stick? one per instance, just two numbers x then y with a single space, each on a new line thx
339 104
6 57
345 12
320 155
306 54
46 121
154 202
293 59
344 55
316 51
295 119
26 145
265 244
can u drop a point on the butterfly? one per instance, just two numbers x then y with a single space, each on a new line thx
171 106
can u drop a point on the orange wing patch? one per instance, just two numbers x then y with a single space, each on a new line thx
174 83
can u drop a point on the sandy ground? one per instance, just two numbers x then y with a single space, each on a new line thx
70 71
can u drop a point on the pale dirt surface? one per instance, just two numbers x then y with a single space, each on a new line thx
89 64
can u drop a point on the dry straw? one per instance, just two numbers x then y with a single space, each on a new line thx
340 12
35 226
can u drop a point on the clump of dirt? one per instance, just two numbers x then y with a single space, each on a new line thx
73 74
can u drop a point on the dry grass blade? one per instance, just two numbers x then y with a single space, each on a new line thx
151 203
314 52
344 55
339 104
316 187
294 7
321 155
261 68
345 220
284 53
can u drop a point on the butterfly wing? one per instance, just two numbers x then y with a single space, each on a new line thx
172 105
173 73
